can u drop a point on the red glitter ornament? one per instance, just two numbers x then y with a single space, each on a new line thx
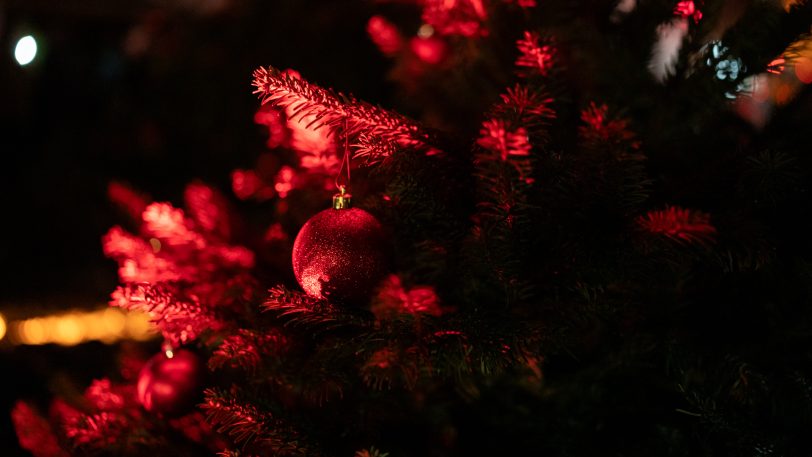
339 254
171 385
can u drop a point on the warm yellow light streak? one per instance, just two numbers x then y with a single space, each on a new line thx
138 327
33 331
2 326
68 330
107 325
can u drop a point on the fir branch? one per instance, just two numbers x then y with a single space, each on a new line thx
323 376
770 177
251 428
209 210
235 453
536 55
509 143
463 17
98 430
181 318
601 129
502 217
514 126
170 224
390 364
339 113
679 224
34 432
477 349
532 109
371 452
368 147
612 159
300 310
247 349
130 201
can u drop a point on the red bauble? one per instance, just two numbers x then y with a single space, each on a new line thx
340 255
430 50
171 386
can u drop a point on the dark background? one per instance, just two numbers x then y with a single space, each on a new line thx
153 93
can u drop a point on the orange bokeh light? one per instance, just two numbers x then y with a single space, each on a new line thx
107 325
803 70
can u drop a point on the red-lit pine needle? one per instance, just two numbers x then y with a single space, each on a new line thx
536 57
679 224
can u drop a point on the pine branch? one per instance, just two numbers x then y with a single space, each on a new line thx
34 432
611 159
509 144
324 376
390 364
235 453
181 318
340 113
369 146
463 17
247 349
251 428
602 130
515 125
536 55
371 452
300 310
679 224
479 349
209 209
98 430
130 201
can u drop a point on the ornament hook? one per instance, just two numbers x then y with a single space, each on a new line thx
168 349
343 200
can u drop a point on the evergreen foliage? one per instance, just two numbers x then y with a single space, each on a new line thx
603 264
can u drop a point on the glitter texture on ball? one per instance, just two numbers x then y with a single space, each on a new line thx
339 254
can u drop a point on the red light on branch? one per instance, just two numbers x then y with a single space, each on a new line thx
394 298
494 136
803 70
431 50
601 127
127 199
523 3
456 17
777 66
385 35
284 181
245 183
273 120
679 224
687 8
536 57
209 209
34 432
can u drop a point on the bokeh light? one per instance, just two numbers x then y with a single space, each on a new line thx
2 326
69 330
803 70
26 50
107 325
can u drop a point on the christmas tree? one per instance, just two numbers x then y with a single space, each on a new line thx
588 237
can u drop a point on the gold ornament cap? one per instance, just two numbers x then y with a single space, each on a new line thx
342 200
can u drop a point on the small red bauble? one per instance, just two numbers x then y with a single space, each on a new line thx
430 50
340 254
171 385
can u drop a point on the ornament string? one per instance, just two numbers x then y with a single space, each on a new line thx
345 163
